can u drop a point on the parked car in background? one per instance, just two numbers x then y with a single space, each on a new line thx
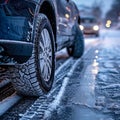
30 33
89 25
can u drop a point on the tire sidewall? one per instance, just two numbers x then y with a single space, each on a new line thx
78 47
43 22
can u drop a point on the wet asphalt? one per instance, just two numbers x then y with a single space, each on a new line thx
93 92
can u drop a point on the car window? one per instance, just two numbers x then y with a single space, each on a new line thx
88 20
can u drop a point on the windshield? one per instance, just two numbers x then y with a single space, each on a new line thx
88 20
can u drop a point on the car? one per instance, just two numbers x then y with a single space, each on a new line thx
89 25
31 31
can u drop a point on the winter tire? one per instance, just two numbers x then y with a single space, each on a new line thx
77 49
35 77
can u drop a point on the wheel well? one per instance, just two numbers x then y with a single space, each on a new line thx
48 10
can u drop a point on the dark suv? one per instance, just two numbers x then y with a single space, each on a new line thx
30 33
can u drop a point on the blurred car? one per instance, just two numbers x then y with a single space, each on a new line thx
89 25
30 33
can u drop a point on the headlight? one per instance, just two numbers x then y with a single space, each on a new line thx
81 27
96 27
67 16
108 25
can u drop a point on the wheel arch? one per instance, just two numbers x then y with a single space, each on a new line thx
50 13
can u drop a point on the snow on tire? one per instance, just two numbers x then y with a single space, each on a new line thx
35 77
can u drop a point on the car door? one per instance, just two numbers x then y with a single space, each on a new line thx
64 27
64 16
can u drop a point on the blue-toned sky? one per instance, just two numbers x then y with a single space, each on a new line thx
106 4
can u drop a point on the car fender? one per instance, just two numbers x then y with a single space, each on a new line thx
38 4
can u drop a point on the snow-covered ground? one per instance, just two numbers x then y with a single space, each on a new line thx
93 91
108 78
8 103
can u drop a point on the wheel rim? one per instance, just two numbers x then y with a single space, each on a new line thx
45 55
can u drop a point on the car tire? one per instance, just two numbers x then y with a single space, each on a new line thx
77 49
35 77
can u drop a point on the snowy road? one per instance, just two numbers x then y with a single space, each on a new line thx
85 88
93 90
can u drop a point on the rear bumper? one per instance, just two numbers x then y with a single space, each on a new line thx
17 50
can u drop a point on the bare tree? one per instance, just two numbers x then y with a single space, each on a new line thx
96 9
114 13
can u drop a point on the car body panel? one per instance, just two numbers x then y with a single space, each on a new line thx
66 13
65 16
